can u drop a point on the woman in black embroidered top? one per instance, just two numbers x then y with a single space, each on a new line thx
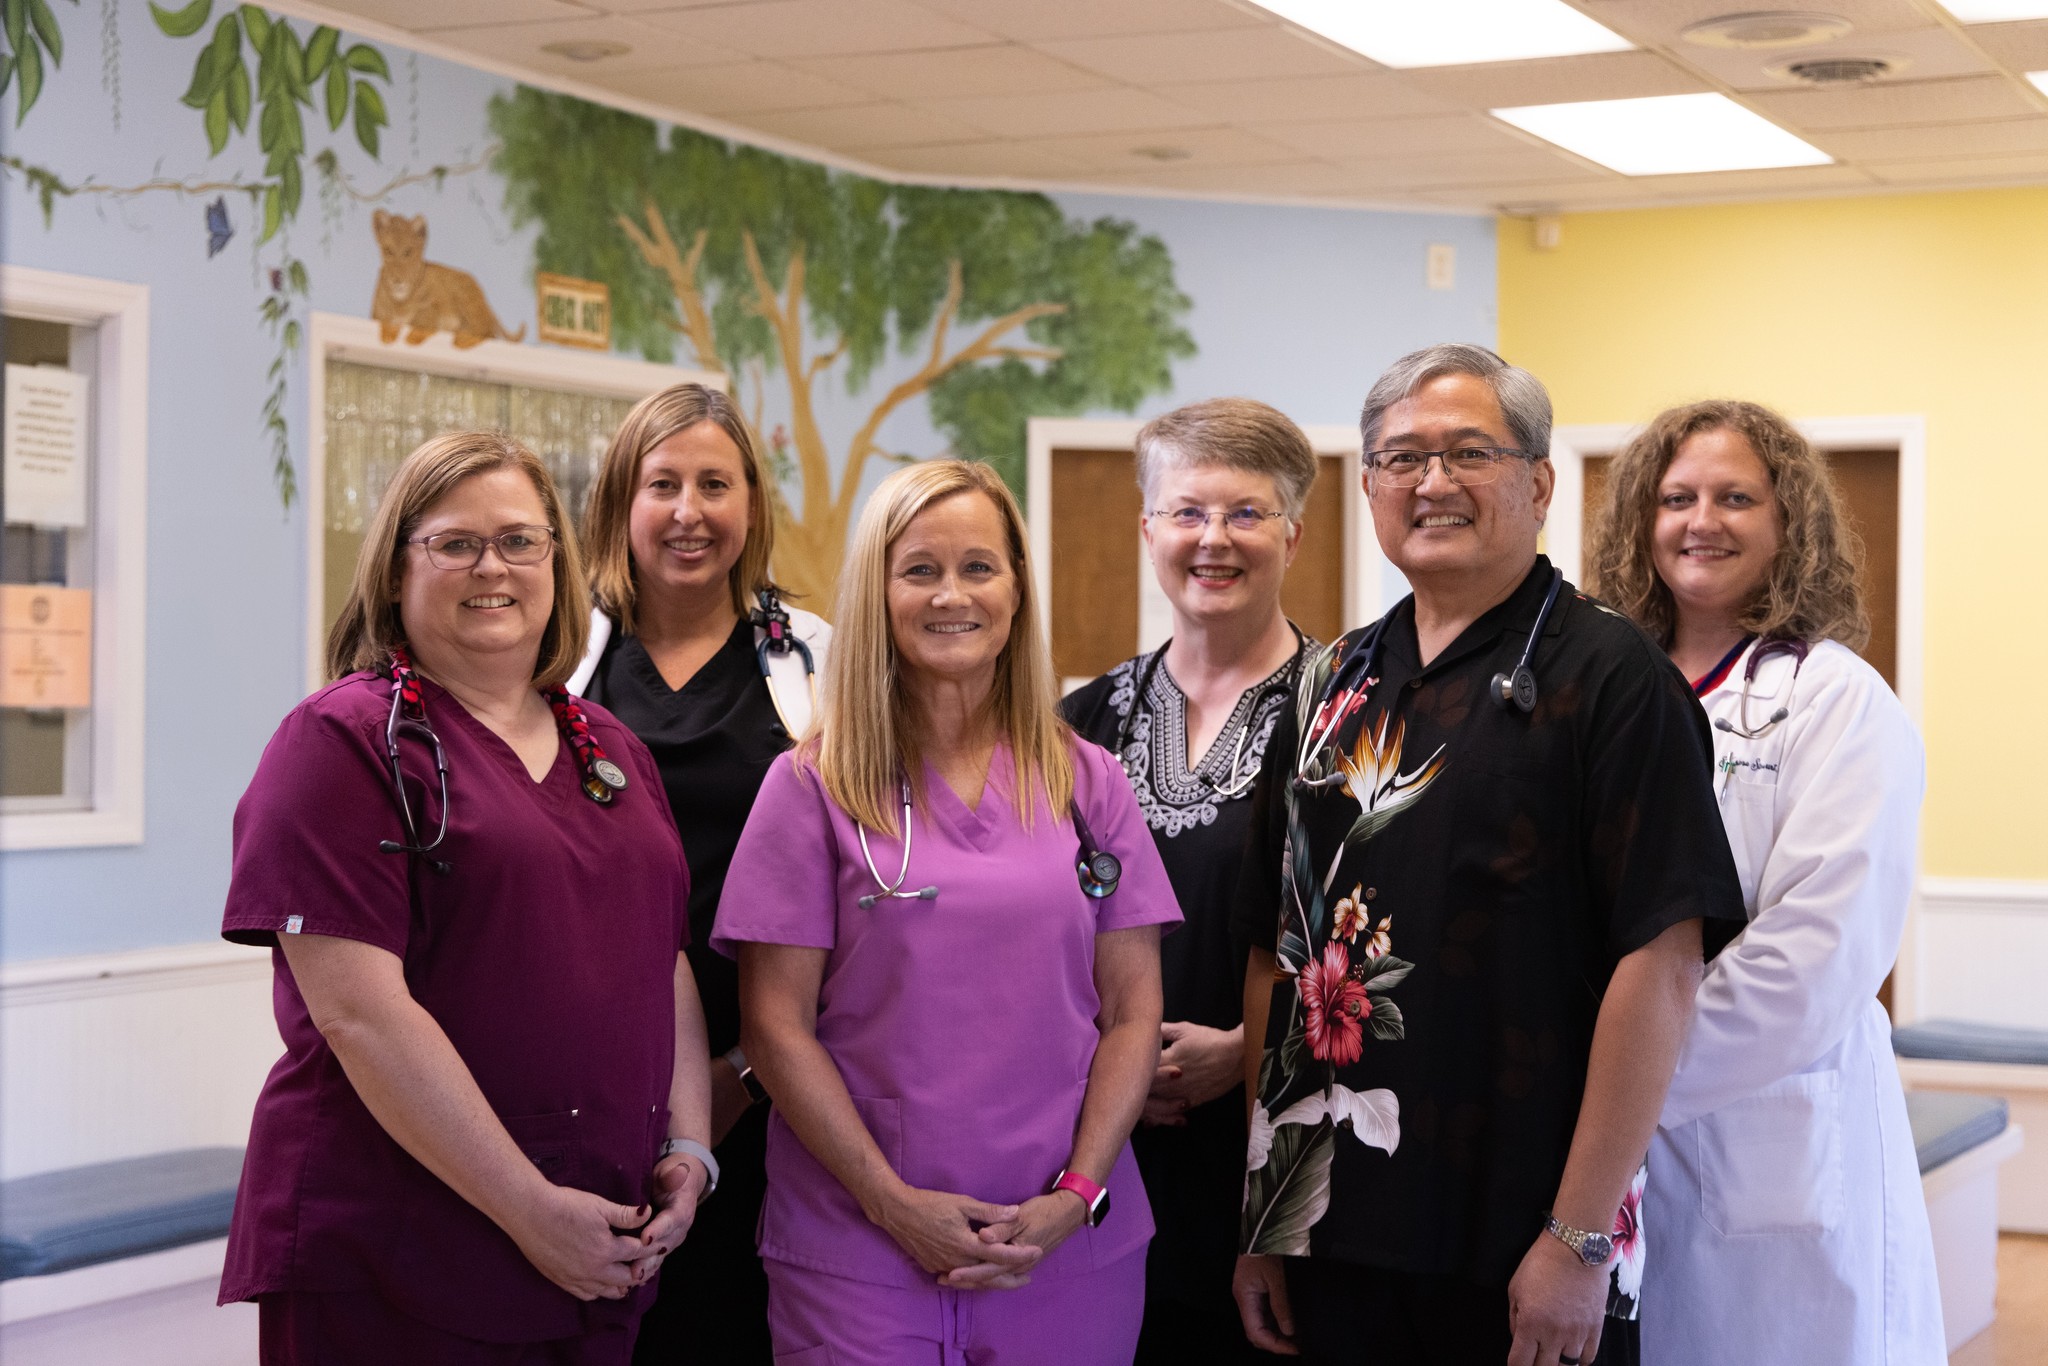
1224 484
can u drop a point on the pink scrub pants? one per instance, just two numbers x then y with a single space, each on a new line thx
818 1319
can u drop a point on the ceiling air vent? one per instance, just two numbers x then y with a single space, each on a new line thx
1837 70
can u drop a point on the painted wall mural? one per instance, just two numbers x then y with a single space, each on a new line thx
762 263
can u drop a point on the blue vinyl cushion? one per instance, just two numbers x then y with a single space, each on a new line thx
1964 1041
1947 1124
84 1215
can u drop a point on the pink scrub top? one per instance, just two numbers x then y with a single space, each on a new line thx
963 1026
548 956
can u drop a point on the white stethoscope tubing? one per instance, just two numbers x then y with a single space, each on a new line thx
894 889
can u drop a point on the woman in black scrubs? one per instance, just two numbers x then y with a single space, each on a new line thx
692 650
1224 483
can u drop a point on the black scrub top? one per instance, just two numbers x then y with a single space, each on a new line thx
1200 818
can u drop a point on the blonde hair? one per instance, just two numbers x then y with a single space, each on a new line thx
868 736
614 582
1812 591
1236 433
370 627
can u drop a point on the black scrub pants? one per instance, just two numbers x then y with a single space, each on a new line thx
1350 1315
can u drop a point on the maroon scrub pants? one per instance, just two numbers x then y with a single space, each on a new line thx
359 1328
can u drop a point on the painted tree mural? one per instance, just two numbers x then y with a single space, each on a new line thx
759 261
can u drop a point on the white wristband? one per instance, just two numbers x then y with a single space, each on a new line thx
690 1147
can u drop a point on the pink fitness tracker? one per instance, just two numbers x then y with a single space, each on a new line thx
1095 1197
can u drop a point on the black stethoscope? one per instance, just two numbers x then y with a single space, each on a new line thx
1515 688
1098 870
1794 647
1282 682
777 638
602 779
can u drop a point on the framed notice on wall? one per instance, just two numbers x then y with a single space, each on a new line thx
45 646
574 312
45 446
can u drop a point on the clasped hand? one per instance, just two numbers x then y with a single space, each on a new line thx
572 1236
1197 1064
969 1244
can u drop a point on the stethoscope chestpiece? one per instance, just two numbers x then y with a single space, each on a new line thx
1517 689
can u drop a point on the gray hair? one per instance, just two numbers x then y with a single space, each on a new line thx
1237 433
1524 402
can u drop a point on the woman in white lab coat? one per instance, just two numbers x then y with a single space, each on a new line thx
1783 1217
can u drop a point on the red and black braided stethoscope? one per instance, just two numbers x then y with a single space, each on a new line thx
602 779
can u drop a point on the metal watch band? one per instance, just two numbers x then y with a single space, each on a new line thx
1594 1249
690 1147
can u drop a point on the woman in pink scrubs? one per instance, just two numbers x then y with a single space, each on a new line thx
958 1037
489 1124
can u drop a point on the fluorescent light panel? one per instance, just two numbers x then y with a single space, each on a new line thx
1408 33
1995 11
2040 80
1666 134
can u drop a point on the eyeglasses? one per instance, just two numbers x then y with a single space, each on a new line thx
1468 465
1247 518
465 549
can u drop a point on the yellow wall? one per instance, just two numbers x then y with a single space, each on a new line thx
1927 304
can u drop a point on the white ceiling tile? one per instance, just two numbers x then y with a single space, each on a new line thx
960 73
1033 20
1292 179
1655 22
735 89
1362 94
1788 180
524 45
1115 109
2030 166
410 14
859 128
1924 54
1557 80
2022 47
1204 147
643 6
1530 165
1218 55
821 28
1391 139
1963 99
1940 140
974 159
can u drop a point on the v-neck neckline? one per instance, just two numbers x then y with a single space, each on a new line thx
642 663
498 748
975 825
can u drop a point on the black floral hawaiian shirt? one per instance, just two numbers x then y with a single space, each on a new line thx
1447 886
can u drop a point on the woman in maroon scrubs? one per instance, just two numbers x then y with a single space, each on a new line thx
489 1124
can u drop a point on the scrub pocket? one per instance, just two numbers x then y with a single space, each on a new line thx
1772 1163
821 1355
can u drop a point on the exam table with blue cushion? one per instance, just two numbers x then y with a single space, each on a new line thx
81 1216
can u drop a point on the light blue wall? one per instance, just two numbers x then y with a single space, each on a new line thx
1299 307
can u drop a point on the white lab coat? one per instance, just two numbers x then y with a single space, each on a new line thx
788 681
1783 1220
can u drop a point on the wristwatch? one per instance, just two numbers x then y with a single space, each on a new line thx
751 1084
690 1147
1095 1197
1591 1248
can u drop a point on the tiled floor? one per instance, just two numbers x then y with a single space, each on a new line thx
2019 1336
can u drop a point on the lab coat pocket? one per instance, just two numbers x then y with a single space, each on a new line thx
1772 1162
883 1119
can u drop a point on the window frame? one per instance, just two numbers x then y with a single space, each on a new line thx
340 337
120 553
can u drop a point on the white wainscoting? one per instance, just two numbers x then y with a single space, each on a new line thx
1982 946
120 1055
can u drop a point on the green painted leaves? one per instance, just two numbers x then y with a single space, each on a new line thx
185 22
1290 1191
31 27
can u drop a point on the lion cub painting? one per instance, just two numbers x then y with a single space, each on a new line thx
421 298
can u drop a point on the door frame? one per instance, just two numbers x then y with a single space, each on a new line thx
1043 435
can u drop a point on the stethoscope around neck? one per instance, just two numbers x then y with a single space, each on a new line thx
1238 782
1740 727
1097 869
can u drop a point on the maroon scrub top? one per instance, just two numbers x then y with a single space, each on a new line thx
548 956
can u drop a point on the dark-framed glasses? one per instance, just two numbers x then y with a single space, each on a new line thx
1245 518
1466 465
464 549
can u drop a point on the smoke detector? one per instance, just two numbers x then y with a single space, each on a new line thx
1766 29
586 49
1834 71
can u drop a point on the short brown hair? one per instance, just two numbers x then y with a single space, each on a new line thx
1237 433
1812 592
369 626
654 419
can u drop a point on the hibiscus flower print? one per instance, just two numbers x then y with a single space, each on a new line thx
1350 917
1628 1240
1334 1008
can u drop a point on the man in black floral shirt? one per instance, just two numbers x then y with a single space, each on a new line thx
1474 901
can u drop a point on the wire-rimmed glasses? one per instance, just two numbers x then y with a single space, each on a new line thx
465 549
1465 465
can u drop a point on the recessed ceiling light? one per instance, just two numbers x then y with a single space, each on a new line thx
1778 28
1995 11
2040 80
586 49
1666 134
1410 33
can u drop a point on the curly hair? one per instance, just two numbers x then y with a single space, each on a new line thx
1812 592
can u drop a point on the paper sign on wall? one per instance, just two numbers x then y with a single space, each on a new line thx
45 446
45 646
